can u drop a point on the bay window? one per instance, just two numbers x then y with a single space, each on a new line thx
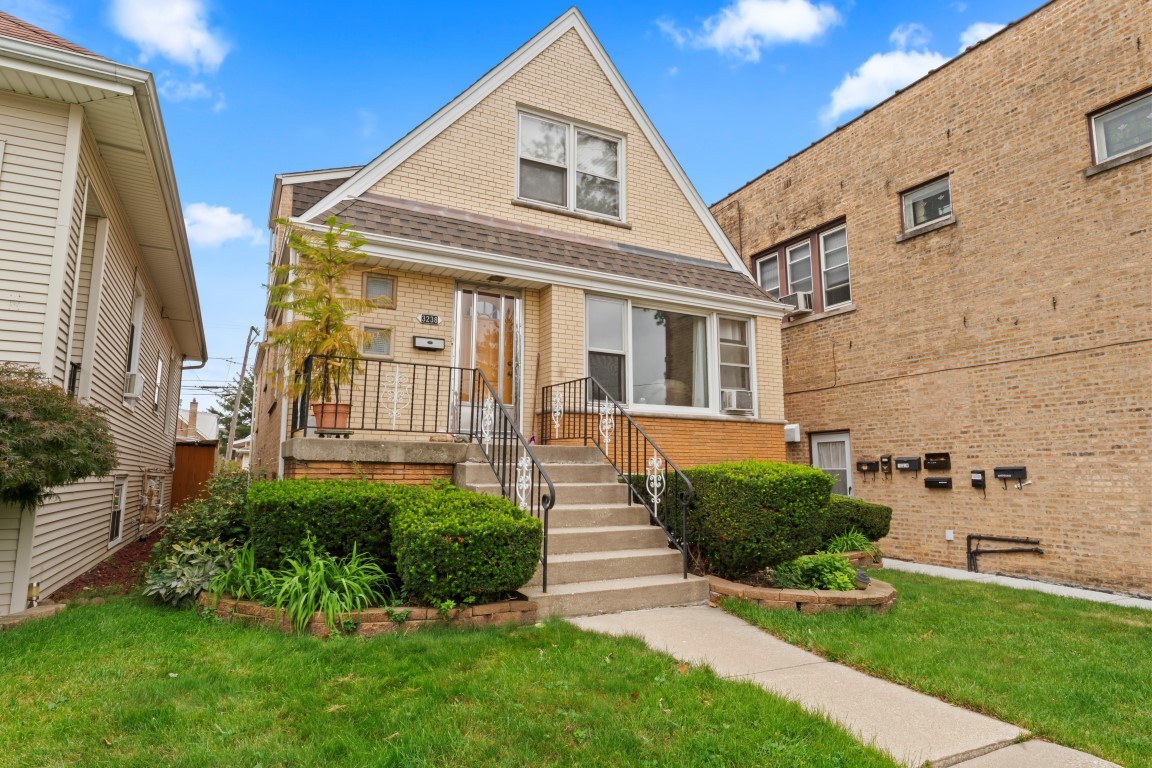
650 356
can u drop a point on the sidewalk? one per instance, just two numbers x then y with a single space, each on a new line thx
1008 581
912 727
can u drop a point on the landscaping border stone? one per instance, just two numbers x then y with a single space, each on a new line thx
376 621
878 597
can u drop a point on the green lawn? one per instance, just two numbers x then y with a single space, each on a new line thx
1073 672
134 684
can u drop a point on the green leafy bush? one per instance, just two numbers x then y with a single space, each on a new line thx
847 513
243 580
219 513
46 438
319 582
822 571
457 546
752 515
852 541
186 570
343 515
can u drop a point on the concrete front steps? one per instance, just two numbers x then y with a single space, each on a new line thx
603 554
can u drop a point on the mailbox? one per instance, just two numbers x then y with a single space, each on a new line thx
428 344
1011 473
937 482
867 466
886 464
977 478
937 461
908 463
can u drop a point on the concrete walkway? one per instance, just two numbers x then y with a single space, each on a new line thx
1007 581
912 727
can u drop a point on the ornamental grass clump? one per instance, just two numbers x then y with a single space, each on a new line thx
47 438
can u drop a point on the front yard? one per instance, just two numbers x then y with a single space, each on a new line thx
131 683
1073 672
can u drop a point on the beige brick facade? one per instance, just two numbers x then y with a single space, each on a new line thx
1019 335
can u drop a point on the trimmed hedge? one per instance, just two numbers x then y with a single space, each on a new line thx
457 546
845 513
752 515
340 514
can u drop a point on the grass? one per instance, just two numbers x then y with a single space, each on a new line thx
1073 672
130 683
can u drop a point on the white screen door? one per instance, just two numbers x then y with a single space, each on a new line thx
832 452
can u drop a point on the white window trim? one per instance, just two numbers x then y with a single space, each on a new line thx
906 205
749 327
788 260
823 271
122 482
1098 137
760 271
712 325
570 167
136 329
391 342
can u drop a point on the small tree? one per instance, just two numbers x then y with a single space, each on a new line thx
314 291
223 411
46 438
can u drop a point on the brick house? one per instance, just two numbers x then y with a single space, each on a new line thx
96 290
542 203
972 266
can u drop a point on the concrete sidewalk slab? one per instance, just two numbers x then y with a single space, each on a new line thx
910 726
1036 754
1076 593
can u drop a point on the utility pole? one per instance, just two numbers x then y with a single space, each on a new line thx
252 334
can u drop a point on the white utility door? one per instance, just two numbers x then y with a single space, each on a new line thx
832 452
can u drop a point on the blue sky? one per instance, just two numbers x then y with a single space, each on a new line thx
250 89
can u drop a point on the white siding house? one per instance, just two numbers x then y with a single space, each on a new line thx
96 289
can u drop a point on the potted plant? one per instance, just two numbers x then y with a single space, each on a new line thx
312 292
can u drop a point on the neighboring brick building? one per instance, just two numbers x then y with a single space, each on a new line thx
998 223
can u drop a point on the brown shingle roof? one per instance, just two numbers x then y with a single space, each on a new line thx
423 224
18 29
306 195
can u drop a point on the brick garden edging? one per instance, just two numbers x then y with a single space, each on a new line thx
375 621
878 597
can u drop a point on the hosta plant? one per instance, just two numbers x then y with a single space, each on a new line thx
187 570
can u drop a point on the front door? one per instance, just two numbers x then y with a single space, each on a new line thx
488 330
832 452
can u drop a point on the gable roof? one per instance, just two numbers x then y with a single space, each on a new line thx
18 29
571 20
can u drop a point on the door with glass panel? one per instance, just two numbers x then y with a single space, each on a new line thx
832 452
488 330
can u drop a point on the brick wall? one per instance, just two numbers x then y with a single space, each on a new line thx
1022 334
404 474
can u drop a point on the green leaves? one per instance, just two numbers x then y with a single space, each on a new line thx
46 438
825 570
847 513
180 576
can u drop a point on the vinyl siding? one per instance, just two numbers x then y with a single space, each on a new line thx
71 269
83 293
9 534
72 530
34 134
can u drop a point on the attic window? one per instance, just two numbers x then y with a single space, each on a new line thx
586 180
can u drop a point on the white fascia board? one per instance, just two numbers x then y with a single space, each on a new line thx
307 177
384 164
452 257
71 67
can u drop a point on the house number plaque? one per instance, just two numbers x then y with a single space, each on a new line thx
429 319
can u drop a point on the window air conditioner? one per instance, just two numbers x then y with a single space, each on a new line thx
736 400
133 384
801 301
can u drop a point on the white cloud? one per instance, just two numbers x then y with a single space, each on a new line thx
40 13
175 29
910 36
977 32
179 90
745 27
213 225
878 78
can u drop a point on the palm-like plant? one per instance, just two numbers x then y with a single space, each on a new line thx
314 290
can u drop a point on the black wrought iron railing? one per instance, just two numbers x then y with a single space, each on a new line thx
342 396
582 411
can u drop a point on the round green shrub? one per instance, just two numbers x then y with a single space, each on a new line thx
848 513
47 438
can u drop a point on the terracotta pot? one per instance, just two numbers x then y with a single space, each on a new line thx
331 415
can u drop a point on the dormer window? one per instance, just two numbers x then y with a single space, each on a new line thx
586 180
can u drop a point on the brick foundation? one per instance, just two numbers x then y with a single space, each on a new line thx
402 474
